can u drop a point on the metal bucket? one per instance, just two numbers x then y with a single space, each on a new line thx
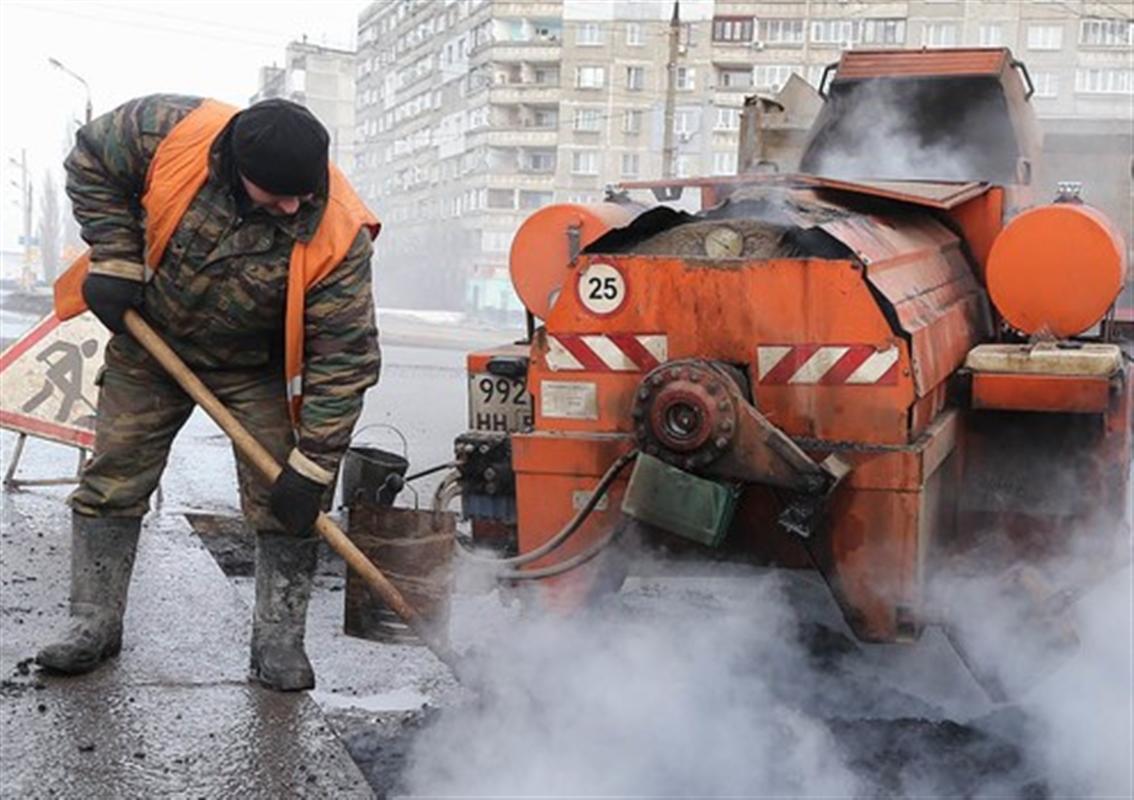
414 549
372 474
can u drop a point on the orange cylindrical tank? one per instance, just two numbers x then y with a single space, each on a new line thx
542 248
1056 269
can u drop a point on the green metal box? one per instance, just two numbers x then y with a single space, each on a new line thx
679 502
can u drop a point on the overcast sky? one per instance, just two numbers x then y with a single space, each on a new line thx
125 49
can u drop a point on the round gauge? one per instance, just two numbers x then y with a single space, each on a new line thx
723 242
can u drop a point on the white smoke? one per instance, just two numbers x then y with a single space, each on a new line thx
714 679
1068 669
661 692
886 129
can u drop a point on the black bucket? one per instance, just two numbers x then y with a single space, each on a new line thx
372 475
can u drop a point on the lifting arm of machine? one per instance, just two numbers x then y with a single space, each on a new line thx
695 415
262 460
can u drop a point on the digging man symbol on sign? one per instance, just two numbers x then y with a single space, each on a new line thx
64 362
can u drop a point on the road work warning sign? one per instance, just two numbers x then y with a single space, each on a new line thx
47 379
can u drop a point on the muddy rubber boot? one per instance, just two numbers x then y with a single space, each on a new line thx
284 568
102 559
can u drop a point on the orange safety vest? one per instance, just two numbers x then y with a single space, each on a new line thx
177 172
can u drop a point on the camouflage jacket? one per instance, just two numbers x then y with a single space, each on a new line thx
218 294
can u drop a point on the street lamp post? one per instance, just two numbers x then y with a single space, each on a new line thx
60 66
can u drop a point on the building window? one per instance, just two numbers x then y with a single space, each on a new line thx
773 76
734 78
1046 84
632 121
501 198
547 30
728 119
1106 33
686 79
590 77
584 162
532 200
539 161
496 241
781 31
635 78
587 119
630 165
939 34
683 166
634 34
1104 81
881 31
991 34
513 31
590 34
724 162
838 32
545 118
1045 37
545 76
685 35
685 121
732 29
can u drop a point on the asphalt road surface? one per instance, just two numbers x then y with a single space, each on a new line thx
696 679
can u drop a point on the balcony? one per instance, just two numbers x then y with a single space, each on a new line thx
526 51
731 98
524 93
514 137
521 179
529 8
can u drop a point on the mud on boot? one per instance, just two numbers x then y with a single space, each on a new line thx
102 560
284 568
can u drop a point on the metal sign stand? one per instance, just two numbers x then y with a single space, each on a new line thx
12 482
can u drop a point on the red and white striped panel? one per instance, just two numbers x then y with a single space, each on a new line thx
606 352
826 365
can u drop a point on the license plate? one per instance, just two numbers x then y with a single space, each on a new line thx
499 403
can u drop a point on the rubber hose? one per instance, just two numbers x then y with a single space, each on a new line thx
571 527
561 567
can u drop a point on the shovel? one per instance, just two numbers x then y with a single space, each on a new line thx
262 460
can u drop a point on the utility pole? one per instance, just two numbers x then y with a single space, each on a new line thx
668 156
25 187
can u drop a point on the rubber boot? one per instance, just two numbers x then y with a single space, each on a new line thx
102 559
284 568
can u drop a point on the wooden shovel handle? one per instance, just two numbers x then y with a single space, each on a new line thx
266 465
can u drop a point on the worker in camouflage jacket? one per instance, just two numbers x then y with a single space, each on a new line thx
217 296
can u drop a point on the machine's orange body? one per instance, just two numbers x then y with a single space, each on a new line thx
876 352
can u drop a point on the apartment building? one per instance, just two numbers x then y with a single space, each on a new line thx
473 113
322 79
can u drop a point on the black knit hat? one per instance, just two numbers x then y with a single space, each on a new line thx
281 147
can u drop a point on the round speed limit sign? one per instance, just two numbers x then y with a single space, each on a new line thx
602 289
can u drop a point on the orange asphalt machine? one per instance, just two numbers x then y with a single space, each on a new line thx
872 375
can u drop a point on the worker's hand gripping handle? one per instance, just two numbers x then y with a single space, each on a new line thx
262 460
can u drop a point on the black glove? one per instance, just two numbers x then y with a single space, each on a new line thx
296 501
110 297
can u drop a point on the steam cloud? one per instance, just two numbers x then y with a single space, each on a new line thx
647 696
722 684
896 130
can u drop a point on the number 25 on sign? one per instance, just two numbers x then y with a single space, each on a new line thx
601 289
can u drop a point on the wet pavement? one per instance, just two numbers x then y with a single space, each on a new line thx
174 715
